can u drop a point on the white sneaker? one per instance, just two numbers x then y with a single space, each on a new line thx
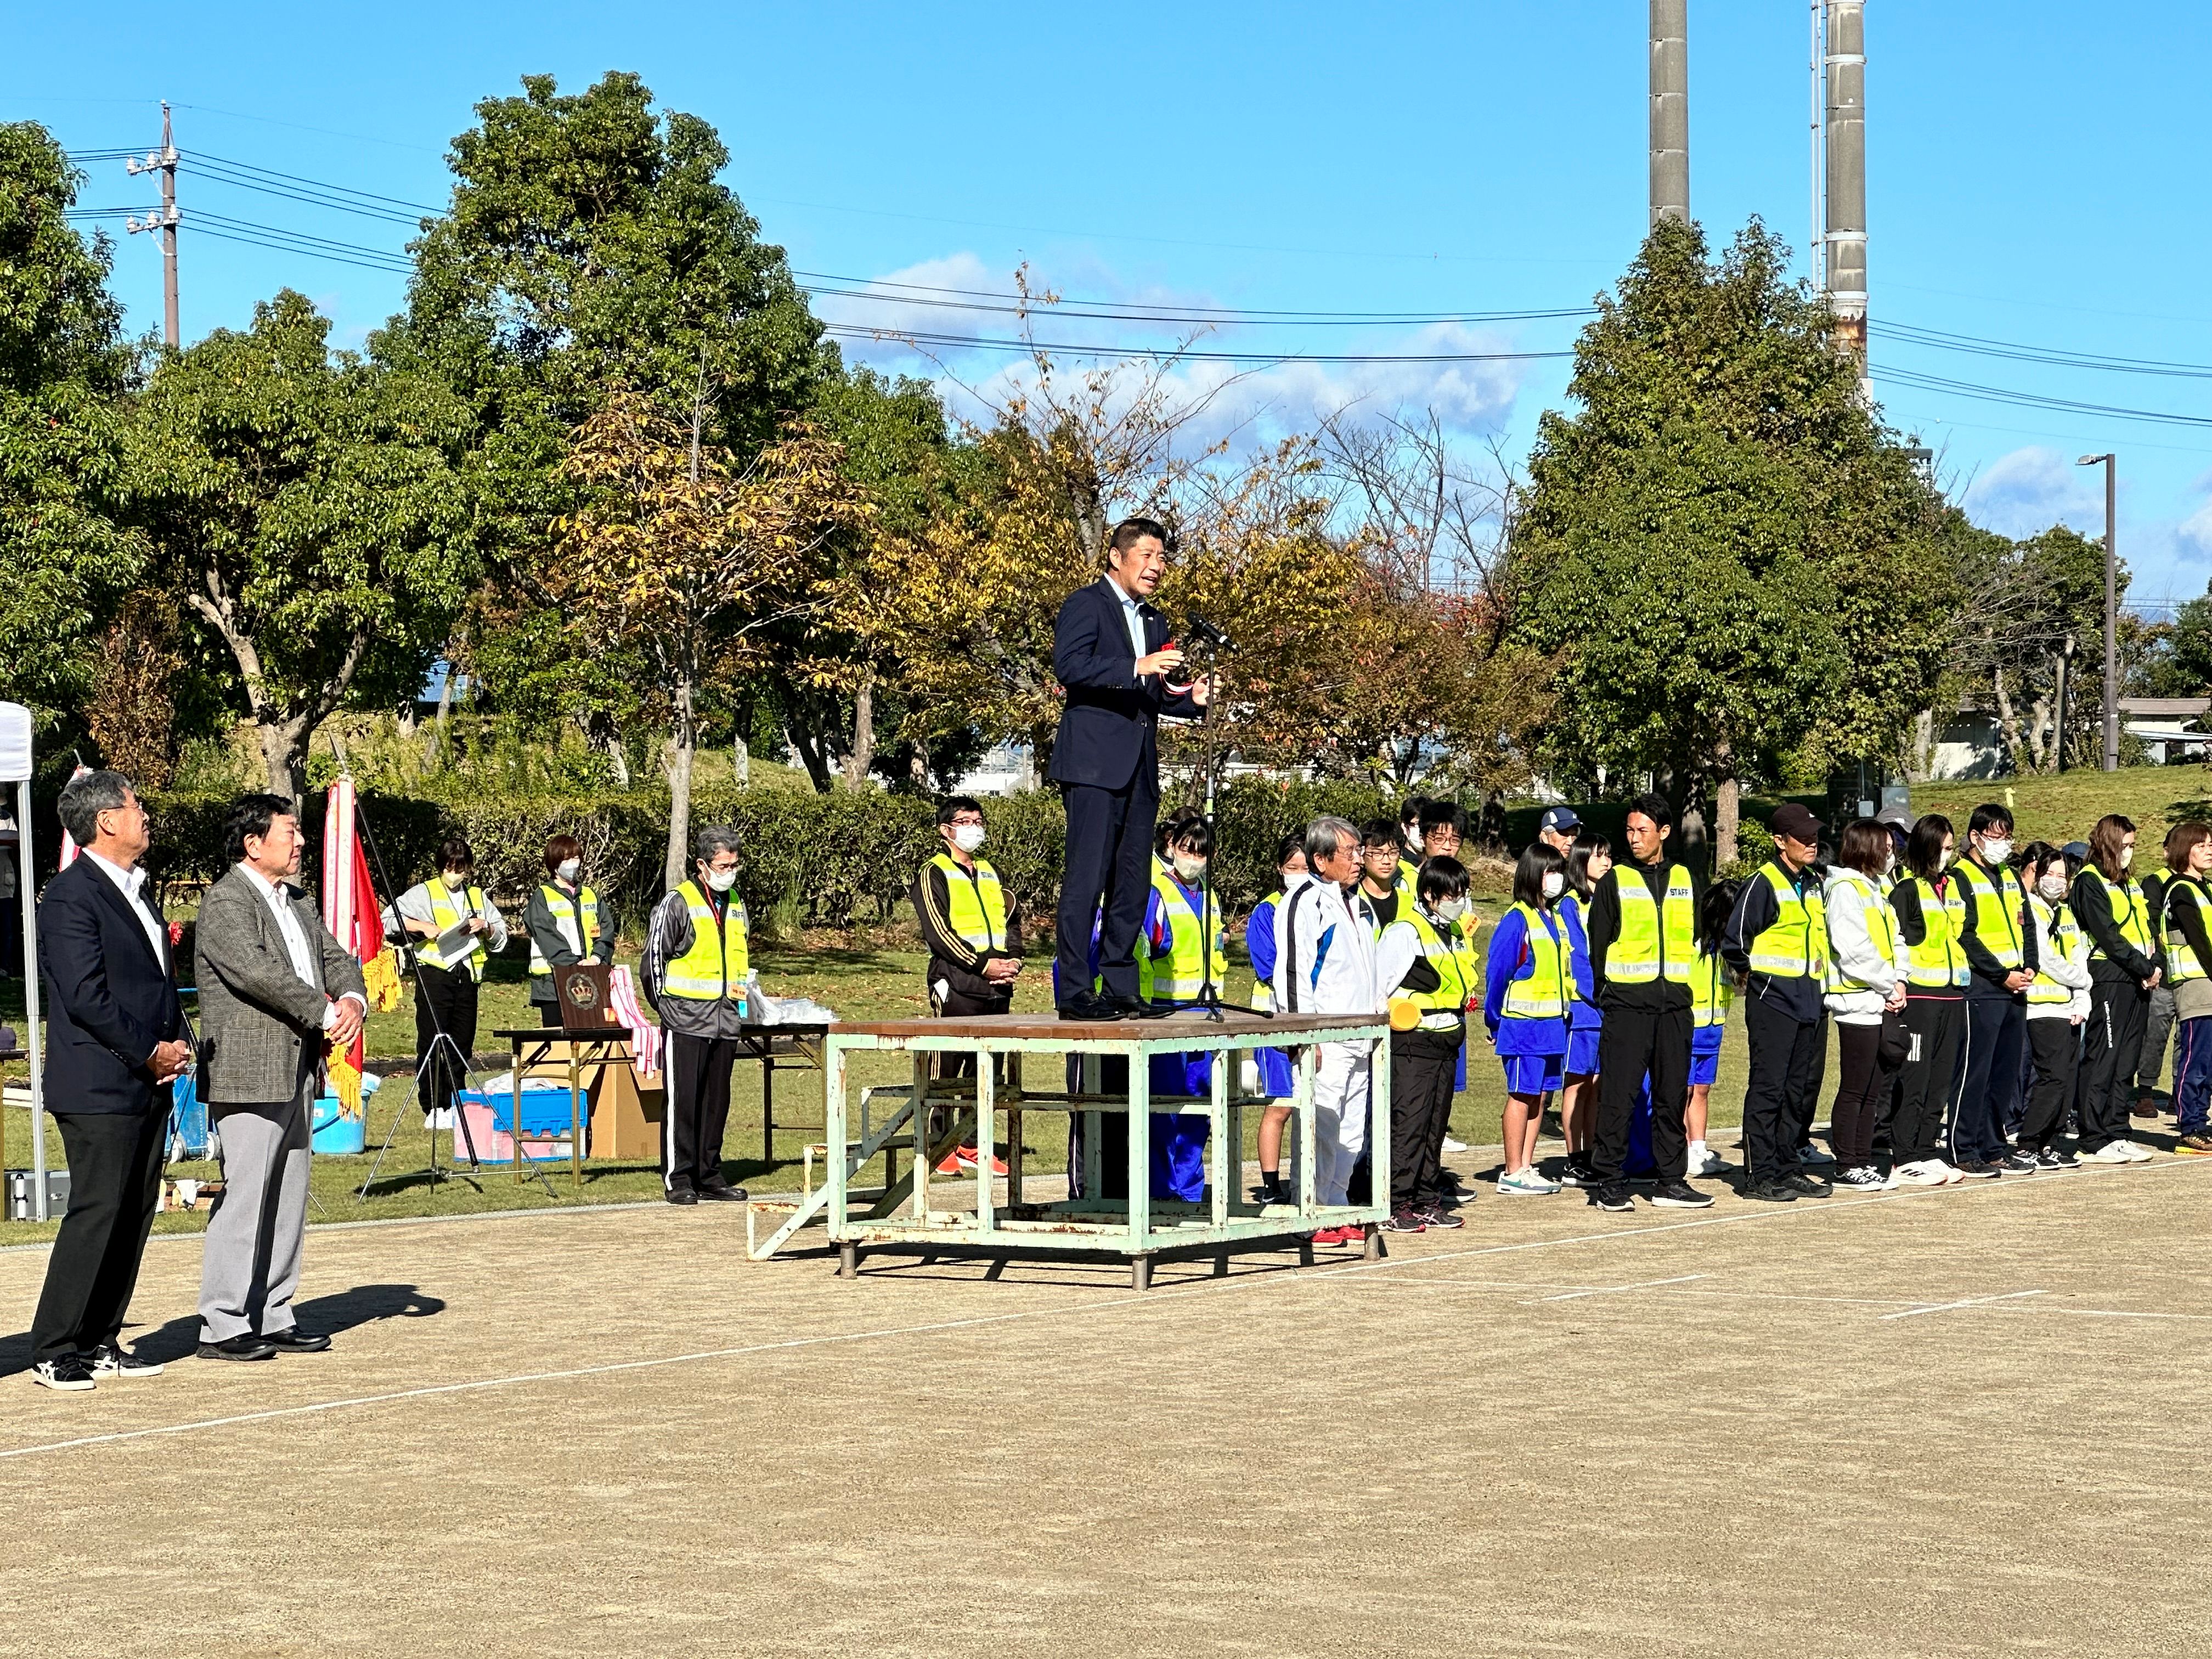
1526 1183
2136 1152
442 1118
1707 1162
1922 1174
2112 1152
1451 1145
1809 1153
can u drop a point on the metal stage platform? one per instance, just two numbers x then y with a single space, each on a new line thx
911 1215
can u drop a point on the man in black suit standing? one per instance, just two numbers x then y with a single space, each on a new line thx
114 1039
1110 650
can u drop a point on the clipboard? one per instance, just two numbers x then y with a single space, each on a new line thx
457 942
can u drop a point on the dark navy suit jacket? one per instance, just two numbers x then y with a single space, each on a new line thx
1107 729
111 1000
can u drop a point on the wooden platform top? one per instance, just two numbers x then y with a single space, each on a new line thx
1184 1030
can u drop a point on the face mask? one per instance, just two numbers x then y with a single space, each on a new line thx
2127 856
1948 857
2053 887
571 869
1450 909
455 880
1997 852
1554 884
1188 868
967 836
721 881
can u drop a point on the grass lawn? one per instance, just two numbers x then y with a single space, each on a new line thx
2066 807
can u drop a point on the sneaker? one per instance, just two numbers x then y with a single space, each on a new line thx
1922 1172
2017 1162
109 1359
2195 1144
1452 1145
2057 1157
1679 1196
1407 1221
1613 1195
1770 1192
1577 1172
1707 1162
70 1374
1977 1169
1861 1177
1807 1186
2112 1152
2137 1152
1809 1153
1442 1219
1330 1236
1526 1183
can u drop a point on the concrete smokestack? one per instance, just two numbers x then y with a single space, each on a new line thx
1670 110
1846 235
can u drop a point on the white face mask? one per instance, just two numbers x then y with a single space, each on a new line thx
571 869
454 880
1997 852
1189 869
1450 909
2051 887
721 881
1947 858
1554 884
2127 856
967 836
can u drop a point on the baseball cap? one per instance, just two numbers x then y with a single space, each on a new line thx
2076 849
1795 822
1896 817
1559 818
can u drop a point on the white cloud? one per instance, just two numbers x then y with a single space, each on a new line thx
2033 489
2193 536
1262 398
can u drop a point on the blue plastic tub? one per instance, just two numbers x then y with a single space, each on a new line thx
546 1110
331 1131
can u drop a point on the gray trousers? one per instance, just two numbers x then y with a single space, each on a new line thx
2158 1025
252 1266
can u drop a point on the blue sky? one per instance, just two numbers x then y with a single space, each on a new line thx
2034 178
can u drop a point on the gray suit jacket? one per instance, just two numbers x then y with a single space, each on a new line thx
260 1025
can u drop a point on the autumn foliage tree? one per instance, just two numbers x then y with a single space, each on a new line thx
681 554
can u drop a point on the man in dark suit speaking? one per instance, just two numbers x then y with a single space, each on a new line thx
1110 650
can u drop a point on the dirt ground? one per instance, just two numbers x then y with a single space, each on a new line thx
1952 1422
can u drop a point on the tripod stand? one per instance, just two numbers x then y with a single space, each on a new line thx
1209 992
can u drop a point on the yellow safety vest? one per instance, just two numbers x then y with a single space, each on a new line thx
1263 994
1542 991
1879 927
1996 921
586 931
2130 913
1457 976
1711 990
2064 933
2181 962
1409 875
447 916
1184 977
1653 941
1937 960
976 900
715 967
1795 944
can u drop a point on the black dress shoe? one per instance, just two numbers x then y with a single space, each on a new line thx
725 1194
1090 1006
245 1346
296 1340
682 1195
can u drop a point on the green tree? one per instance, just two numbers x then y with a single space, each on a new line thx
1739 570
306 505
66 559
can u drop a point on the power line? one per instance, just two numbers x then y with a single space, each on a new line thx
2030 400
972 342
2056 356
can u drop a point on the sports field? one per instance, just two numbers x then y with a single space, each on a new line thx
1932 1422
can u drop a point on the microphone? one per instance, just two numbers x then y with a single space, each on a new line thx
1198 628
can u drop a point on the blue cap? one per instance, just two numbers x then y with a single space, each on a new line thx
1559 817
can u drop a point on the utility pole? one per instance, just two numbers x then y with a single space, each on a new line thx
2112 610
1845 238
163 162
1670 110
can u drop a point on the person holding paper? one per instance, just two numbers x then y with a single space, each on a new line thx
458 927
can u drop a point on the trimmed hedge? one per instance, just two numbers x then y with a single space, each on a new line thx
834 860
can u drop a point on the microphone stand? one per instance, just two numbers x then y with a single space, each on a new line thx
1209 992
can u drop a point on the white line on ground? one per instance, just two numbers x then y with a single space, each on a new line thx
1163 1298
1964 1301
1618 1290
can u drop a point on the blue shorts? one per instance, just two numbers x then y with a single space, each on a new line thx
1532 1074
1705 1054
1581 1052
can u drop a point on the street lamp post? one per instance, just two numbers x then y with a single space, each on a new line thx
2112 614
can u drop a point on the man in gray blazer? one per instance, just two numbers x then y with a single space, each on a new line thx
275 987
